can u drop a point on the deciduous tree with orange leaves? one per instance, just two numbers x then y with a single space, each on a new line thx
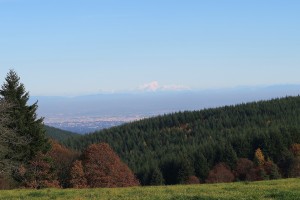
295 165
77 175
192 180
103 168
243 168
62 158
221 173
295 149
40 173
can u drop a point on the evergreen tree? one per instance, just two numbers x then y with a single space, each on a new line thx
185 171
156 177
170 171
201 166
274 172
24 116
9 140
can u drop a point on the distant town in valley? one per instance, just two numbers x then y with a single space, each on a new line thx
87 124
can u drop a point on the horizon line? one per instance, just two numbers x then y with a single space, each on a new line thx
160 91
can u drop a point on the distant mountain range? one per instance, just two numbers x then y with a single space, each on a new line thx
93 112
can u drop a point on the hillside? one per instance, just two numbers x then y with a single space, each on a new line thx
287 189
58 134
204 138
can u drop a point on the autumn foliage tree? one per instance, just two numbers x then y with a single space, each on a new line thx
259 157
39 173
243 167
295 149
103 168
263 169
62 158
221 173
50 169
192 180
77 175
295 165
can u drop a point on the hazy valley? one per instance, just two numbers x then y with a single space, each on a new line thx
84 114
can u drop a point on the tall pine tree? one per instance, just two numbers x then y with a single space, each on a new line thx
24 116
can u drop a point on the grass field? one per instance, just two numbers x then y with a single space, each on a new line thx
279 189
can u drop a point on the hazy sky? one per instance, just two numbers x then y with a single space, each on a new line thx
74 47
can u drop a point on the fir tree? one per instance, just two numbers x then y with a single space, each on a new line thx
201 166
9 141
156 177
185 171
24 116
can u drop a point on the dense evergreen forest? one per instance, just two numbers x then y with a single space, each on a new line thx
58 134
174 146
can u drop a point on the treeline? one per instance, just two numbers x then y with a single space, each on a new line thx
180 145
97 166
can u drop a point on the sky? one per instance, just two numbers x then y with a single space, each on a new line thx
76 47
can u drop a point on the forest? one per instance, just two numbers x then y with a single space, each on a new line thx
177 146
246 142
59 134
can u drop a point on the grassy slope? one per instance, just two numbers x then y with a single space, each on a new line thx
285 189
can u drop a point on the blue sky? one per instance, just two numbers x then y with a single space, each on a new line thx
61 47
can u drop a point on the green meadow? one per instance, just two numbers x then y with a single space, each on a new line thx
279 189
